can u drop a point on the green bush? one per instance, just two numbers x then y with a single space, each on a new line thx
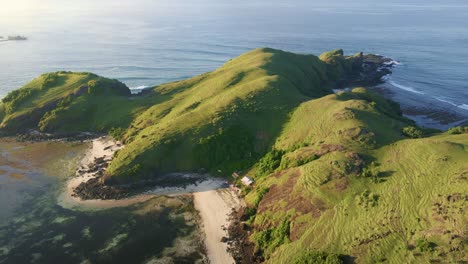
260 193
371 171
103 86
424 245
230 149
249 213
49 80
49 120
268 240
368 199
92 87
412 132
458 130
117 132
317 257
16 97
269 162
2 111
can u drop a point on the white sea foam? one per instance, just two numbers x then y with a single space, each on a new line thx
445 101
138 89
386 77
463 106
141 87
392 62
406 88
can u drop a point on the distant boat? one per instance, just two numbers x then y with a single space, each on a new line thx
17 38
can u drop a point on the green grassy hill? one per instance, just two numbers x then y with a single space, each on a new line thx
347 182
66 102
223 120
338 176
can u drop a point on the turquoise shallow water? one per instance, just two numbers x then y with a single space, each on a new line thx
35 229
142 42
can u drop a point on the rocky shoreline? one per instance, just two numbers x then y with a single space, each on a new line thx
364 70
424 114
36 136
92 172
239 245
96 189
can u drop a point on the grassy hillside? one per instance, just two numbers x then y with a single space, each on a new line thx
223 120
337 176
347 182
220 121
67 102
414 212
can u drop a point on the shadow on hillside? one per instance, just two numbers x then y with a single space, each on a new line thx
383 175
348 259
305 72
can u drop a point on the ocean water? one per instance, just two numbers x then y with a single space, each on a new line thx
144 43
34 228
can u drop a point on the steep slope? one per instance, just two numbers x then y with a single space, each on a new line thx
221 120
347 182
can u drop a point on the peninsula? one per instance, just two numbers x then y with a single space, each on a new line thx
339 175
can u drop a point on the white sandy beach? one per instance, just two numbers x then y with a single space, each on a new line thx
214 207
211 198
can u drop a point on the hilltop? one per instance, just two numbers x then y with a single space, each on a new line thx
169 127
338 177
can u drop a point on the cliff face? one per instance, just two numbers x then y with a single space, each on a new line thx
333 172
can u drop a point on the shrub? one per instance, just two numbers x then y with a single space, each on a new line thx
458 130
268 240
424 245
103 86
92 87
260 193
269 162
249 214
117 132
317 257
48 121
230 149
2 111
371 171
49 80
368 199
412 132
16 97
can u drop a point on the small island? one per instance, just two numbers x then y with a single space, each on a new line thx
13 38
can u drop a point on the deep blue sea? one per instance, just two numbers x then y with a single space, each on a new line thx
148 42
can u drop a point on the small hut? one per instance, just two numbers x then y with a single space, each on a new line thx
247 181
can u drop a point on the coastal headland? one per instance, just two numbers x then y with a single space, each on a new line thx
339 173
